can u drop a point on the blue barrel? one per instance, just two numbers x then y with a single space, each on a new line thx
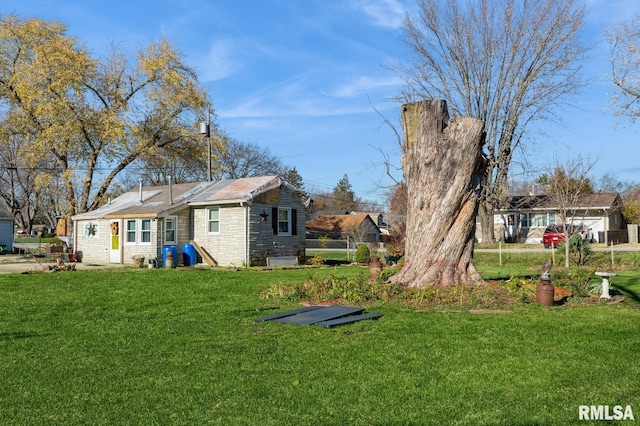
189 255
174 255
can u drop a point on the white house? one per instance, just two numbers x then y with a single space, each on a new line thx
523 219
239 222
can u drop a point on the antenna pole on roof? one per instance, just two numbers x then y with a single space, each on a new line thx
140 189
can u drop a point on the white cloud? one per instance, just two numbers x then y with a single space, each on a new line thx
286 108
220 61
385 13
364 85
295 97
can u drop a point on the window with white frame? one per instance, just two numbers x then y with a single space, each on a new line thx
284 221
524 220
145 231
538 220
170 230
213 220
130 234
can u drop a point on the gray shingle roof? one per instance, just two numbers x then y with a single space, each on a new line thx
596 200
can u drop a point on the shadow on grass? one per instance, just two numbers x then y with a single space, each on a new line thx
499 276
330 262
628 285
12 335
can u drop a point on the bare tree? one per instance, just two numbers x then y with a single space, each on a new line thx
230 159
567 182
234 159
18 181
624 41
505 62
397 217
629 192
184 161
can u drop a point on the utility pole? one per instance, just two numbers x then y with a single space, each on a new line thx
205 129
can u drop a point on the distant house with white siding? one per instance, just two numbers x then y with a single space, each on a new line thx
237 222
524 218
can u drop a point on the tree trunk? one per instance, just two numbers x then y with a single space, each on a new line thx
443 168
485 213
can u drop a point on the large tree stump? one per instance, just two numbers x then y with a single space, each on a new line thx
443 168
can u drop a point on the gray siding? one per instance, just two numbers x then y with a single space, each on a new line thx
6 233
263 243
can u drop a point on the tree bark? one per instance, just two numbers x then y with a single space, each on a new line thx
443 168
485 213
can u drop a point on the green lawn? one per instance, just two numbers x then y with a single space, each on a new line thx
181 347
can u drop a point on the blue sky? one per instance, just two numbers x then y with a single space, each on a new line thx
303 77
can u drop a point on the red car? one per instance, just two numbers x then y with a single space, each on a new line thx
554 234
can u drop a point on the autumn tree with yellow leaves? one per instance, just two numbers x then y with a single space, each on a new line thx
69 117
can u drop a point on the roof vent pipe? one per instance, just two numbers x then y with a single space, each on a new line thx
170 192
140 190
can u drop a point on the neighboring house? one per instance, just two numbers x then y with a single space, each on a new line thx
378 219
315 214
6 229
359 227
523 219
240 222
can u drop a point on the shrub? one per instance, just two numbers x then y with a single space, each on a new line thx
323 241
359 290
579 249
363 254
579 282
387 273
394 249
55 241
317 260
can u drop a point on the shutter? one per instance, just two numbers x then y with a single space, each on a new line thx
294 222
274 220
